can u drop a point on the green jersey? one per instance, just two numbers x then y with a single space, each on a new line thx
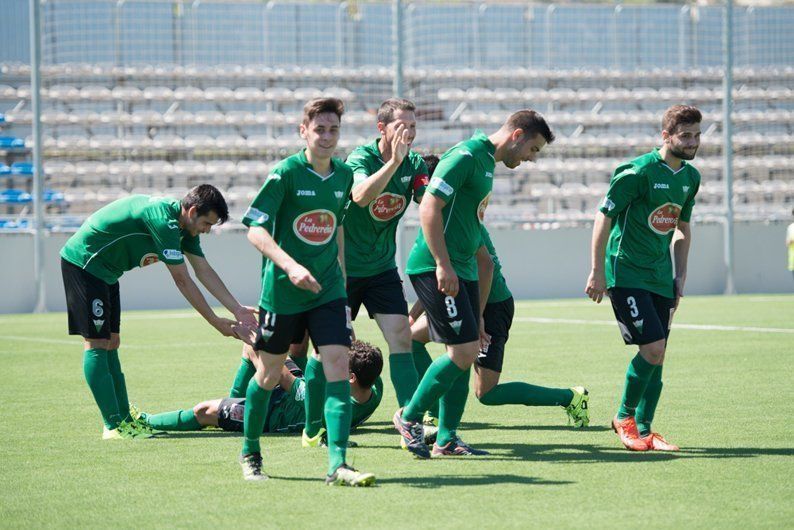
302 209
499 291
463 179
645 201
362 411
135 231
370 242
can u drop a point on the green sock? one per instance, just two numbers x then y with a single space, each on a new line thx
526 394
647 406
437 380
176 420
338 411
300 361
403 376
637 376
119 384
422 362
314 400
97 375
451 410
256 400
244 374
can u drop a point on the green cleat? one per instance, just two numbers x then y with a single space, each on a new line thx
141 422
578 411
315 441
116 434
347 476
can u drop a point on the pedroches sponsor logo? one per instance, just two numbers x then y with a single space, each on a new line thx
661 186
305 193
481 208
664 219
387 206
440 185
148 259
316 227
172 253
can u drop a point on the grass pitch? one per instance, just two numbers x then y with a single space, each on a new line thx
727 402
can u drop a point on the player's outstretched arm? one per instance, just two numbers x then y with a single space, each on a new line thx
298 275
596 283
432 222
682 239
192 294
366 191
210 279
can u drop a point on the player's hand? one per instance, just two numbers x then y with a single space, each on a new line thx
225 326
245 333
485 338
400 144
596 286
447 280
303 279
247 316
679 289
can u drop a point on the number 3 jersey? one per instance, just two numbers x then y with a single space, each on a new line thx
645 201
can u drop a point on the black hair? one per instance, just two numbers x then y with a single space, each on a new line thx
207 198
366 362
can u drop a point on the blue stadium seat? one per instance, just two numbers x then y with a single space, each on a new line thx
4 170
53 196
13 196
22 168
2 118
11 142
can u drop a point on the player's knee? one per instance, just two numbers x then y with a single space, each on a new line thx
399 337
654 353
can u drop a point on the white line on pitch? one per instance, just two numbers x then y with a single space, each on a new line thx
702 327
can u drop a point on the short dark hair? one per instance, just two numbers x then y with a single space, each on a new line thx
678 115
207 198
431 161
366 362
531 123
320 106
387 108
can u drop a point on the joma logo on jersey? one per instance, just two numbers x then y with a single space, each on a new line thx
387 206
316 227
661 186
306 193
664 219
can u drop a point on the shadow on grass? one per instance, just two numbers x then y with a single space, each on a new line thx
388 428
442 481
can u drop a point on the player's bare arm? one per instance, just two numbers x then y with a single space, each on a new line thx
682 239
431 219
209 278
298 274
365 192
485 269
596 283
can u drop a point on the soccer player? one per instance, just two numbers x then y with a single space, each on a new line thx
386 176
443 270
293 222
647 207
137 231
285 413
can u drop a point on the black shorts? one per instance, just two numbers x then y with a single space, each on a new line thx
643 317
498 319
381 294
327 324
92 305
231 411
452 320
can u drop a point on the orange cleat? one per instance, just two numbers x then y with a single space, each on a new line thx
656 442
627 430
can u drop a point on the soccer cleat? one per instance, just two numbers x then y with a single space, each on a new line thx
141 422
656 442
252 467
116 434
429 420
413 435
578 410
431 433
347 476
627 430
457 447
315 441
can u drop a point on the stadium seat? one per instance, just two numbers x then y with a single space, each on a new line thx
11 142
4 170
15 196
22 168
220 94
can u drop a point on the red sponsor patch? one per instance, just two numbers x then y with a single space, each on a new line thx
387 206
481 208
148 259
664 219
316 227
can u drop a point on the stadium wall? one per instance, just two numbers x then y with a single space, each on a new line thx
537 264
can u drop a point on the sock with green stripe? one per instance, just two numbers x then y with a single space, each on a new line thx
403 376
256 401
422 362
244 374
314 400
451 409
637 377
176 420
525 394
437 380
119 384
100 381
647 406
338 411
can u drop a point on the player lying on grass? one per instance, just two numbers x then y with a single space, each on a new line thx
286 412
646 209
137 231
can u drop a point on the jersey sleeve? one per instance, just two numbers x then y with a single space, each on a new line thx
165 233
421 180
357 162
686 210
450 174
346 204
265 205
626 185
192 245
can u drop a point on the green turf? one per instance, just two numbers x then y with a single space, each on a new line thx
727 401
